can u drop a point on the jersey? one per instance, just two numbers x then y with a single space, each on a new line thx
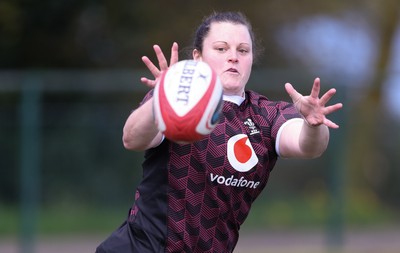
194 197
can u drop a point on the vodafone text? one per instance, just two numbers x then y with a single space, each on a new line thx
231 181
185 81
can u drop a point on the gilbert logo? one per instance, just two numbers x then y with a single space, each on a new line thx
185 82
241 154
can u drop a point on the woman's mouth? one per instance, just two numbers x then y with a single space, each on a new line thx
232 70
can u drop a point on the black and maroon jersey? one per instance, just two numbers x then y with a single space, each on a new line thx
195 197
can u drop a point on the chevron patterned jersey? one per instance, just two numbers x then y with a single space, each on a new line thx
194 197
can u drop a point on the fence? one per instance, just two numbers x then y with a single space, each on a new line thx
61 131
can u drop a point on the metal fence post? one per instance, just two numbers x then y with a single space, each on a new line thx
30 153
337 170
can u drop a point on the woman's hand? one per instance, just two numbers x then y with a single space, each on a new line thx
313 108
163 64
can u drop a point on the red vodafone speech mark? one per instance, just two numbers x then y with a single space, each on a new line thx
242 151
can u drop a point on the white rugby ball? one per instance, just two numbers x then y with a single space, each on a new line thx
187 101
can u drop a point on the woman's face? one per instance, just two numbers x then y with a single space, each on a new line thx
228 50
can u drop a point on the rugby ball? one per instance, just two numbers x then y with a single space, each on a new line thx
187 101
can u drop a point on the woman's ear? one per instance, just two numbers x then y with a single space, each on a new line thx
196 55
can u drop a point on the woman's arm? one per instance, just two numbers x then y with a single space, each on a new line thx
300 140
140 131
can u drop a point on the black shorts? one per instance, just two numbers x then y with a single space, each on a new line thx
129 238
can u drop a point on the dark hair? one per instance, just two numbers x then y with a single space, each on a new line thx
230 17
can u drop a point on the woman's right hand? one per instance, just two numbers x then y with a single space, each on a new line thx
163 64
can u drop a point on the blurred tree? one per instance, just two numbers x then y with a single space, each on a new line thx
366 158
116 33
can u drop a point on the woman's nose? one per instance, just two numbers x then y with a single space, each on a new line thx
232 57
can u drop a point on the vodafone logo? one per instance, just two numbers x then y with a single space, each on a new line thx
241 154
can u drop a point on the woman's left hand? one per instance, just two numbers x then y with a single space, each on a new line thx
313 108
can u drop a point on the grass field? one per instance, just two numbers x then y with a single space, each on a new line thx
276 228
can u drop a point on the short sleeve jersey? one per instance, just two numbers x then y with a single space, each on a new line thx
195 197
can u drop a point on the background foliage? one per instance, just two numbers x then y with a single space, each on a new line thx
87 54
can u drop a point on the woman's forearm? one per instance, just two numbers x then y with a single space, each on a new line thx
140 131
299 140
313 140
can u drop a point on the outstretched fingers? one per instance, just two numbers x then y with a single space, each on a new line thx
150 65
162 64
330 123
327 96
333 108
174 54
294 95
148 82
316 88
313 108
162 61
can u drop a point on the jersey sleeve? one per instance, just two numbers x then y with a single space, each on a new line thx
148 95
285 111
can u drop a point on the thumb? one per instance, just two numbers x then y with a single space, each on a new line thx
292 92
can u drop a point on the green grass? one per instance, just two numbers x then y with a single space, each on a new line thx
272 213
80 220
64 220
315 212
8 220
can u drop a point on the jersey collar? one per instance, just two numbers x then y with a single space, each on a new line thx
238 100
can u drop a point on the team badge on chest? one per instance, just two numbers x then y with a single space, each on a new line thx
252 127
